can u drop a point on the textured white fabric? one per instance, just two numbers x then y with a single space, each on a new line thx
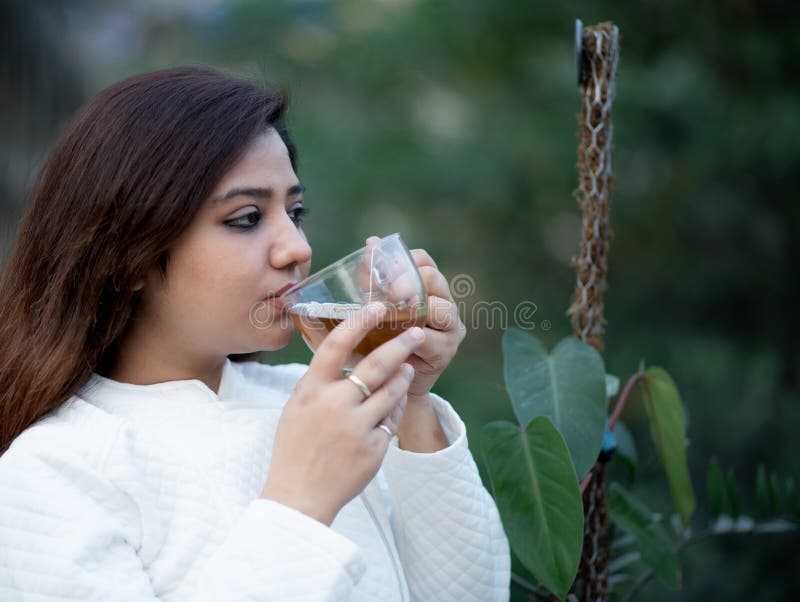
150 492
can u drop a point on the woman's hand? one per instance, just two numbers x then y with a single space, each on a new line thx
443 328
328 445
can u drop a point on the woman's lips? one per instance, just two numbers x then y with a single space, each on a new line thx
274 298
276 301
281 290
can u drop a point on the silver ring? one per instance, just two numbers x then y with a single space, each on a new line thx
360 384
387 429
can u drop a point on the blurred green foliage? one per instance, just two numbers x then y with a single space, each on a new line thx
454 123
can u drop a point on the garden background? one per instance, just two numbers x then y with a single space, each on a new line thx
453 122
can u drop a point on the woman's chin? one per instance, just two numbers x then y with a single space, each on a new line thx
274 338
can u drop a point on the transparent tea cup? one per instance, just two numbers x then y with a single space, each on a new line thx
383 271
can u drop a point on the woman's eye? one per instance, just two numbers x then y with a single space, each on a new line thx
245 222
251 220
297 214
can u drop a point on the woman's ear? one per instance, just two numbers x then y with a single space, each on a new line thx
150 279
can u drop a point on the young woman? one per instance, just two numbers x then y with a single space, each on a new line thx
141 459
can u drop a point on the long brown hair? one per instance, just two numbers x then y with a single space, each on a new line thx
122 183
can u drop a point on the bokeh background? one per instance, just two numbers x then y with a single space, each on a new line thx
454 123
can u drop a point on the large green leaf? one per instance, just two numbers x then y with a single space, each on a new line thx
650 535
664 409
537 493
568 386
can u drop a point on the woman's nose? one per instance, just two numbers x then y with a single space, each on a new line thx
289 246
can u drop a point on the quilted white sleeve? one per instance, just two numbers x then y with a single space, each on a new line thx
446 524
304 560
68 533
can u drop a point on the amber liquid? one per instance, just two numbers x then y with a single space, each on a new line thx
316 320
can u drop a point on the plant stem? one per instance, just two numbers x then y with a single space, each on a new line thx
586 480
620 405
623 398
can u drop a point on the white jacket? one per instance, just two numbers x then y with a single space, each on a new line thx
150 492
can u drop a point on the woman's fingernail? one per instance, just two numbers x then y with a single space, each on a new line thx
408 369
417 333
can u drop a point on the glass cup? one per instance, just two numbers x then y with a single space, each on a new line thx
383 271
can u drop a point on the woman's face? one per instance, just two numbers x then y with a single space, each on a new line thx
243 245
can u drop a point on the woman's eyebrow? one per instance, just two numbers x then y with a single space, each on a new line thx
254 191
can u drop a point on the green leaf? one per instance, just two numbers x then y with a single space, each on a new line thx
650 535
732 491
567 386
626 447
668 430
762 492
537 493
716 488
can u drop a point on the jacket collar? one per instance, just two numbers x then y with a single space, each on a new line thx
100 388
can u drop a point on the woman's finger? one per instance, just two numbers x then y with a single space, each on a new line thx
392 420
422 258
435 282
384 274
380 364
383 402
437 350
334 351
443 315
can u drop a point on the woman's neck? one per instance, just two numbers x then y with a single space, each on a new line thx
147 360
